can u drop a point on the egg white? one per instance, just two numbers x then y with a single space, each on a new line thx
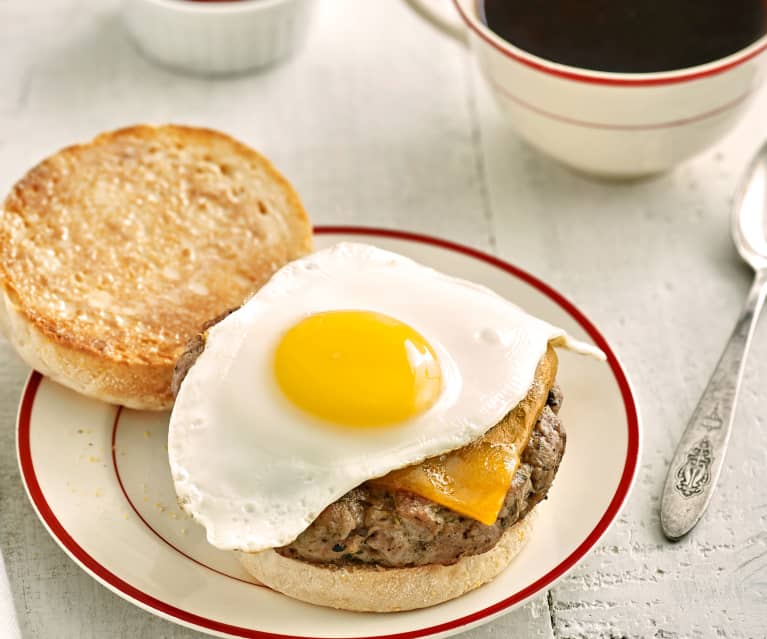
256 470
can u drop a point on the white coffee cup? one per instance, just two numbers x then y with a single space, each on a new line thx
610 124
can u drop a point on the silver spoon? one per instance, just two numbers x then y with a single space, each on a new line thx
698 459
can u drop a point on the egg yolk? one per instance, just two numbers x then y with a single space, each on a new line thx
357 368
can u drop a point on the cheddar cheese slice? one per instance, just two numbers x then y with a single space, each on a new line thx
474 480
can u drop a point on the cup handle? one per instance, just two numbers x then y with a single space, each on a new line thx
440 16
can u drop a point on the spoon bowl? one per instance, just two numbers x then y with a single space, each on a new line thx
749 216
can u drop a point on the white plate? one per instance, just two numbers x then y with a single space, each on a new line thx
98 477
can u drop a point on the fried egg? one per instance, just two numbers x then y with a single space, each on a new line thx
348 364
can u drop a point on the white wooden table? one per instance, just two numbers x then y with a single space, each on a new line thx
383 121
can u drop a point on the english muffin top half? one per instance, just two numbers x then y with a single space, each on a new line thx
115 252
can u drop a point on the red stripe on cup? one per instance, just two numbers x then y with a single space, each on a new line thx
670 124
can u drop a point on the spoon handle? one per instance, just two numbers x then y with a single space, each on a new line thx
698 459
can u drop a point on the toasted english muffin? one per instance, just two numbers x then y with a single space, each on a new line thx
114 253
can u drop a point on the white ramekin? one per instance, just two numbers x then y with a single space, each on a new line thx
218 37
615 124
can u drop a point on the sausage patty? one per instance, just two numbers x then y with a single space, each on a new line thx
395 528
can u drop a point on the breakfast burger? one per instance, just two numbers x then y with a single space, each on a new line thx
368 433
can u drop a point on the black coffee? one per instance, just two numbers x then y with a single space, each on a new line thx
628 36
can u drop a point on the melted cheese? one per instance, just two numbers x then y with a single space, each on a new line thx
474 480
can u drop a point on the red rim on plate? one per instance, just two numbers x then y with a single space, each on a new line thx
185 617
602 77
